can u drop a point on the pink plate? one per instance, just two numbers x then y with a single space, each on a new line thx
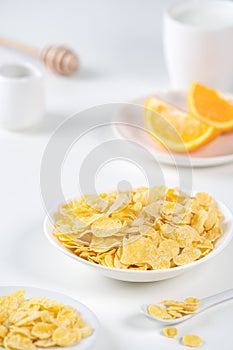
129 125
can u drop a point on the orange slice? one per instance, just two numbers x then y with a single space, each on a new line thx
174 128
210 106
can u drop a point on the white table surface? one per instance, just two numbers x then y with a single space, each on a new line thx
120 46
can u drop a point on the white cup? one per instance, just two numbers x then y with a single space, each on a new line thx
22 102
198 43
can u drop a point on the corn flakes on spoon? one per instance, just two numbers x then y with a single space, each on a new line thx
173 312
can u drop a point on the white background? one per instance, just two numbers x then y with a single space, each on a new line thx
120 46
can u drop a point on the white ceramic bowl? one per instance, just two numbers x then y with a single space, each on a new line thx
88 316
151 275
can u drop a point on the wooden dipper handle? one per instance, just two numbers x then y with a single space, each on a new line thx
59 59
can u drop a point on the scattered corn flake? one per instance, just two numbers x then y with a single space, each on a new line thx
170 332
191 340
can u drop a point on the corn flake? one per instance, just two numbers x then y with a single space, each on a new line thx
193 341
173 309
3 331
158 311
170 332
63 336
39 322
156 228
19 342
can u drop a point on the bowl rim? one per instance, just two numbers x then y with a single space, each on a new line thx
228 233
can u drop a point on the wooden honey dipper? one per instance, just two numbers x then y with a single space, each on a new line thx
59 59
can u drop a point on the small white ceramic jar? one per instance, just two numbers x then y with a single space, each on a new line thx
22 100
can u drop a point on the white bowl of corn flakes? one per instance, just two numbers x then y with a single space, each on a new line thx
142 235
33 318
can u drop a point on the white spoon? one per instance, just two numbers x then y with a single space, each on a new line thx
205 303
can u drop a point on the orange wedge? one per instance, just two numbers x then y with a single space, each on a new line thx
174 128
210 106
